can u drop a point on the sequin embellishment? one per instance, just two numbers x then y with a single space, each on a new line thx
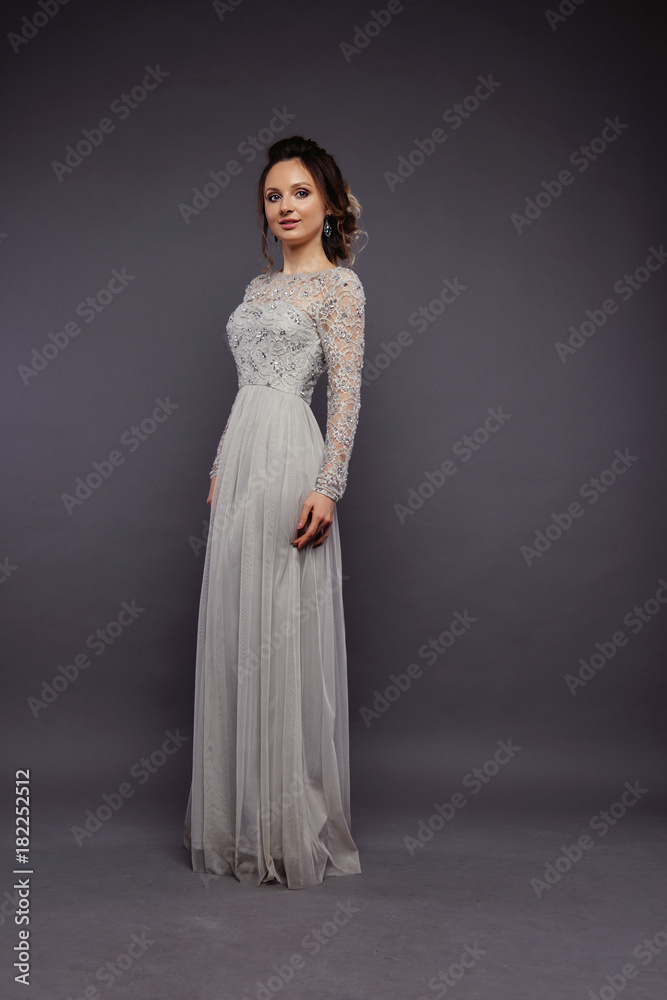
286 332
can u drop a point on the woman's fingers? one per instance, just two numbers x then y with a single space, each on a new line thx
320 540
315 520
305 514
318 526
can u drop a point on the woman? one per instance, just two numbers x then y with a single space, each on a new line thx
270 794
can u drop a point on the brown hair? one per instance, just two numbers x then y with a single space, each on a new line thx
344 209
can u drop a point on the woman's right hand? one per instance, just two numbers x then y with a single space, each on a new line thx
210 492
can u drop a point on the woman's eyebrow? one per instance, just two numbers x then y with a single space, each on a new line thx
298 185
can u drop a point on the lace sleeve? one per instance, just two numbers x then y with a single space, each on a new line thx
341 330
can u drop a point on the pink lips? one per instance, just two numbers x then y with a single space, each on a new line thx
290 224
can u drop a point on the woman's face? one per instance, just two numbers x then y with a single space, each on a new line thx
290 194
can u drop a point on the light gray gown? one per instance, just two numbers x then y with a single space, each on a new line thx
270 793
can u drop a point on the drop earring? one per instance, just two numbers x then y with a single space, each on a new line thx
327 226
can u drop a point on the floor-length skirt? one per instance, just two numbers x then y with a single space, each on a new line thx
270 793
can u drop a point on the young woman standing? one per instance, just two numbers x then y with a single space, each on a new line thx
270 794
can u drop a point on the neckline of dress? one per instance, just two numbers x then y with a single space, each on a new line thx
295 274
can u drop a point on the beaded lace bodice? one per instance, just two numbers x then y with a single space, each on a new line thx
286 332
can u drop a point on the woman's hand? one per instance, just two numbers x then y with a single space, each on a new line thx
315 520
210 492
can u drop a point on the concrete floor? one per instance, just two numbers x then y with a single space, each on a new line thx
458 917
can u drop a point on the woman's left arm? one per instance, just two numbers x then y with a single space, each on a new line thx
342 317
341 329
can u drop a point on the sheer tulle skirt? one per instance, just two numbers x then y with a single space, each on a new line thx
270 794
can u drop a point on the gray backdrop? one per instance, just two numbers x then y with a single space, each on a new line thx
508 472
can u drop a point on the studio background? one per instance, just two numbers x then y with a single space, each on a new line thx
480 269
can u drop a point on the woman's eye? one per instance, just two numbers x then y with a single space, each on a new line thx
300 191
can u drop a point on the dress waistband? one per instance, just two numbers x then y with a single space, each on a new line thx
267 385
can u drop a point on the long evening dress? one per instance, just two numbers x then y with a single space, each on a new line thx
270 793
